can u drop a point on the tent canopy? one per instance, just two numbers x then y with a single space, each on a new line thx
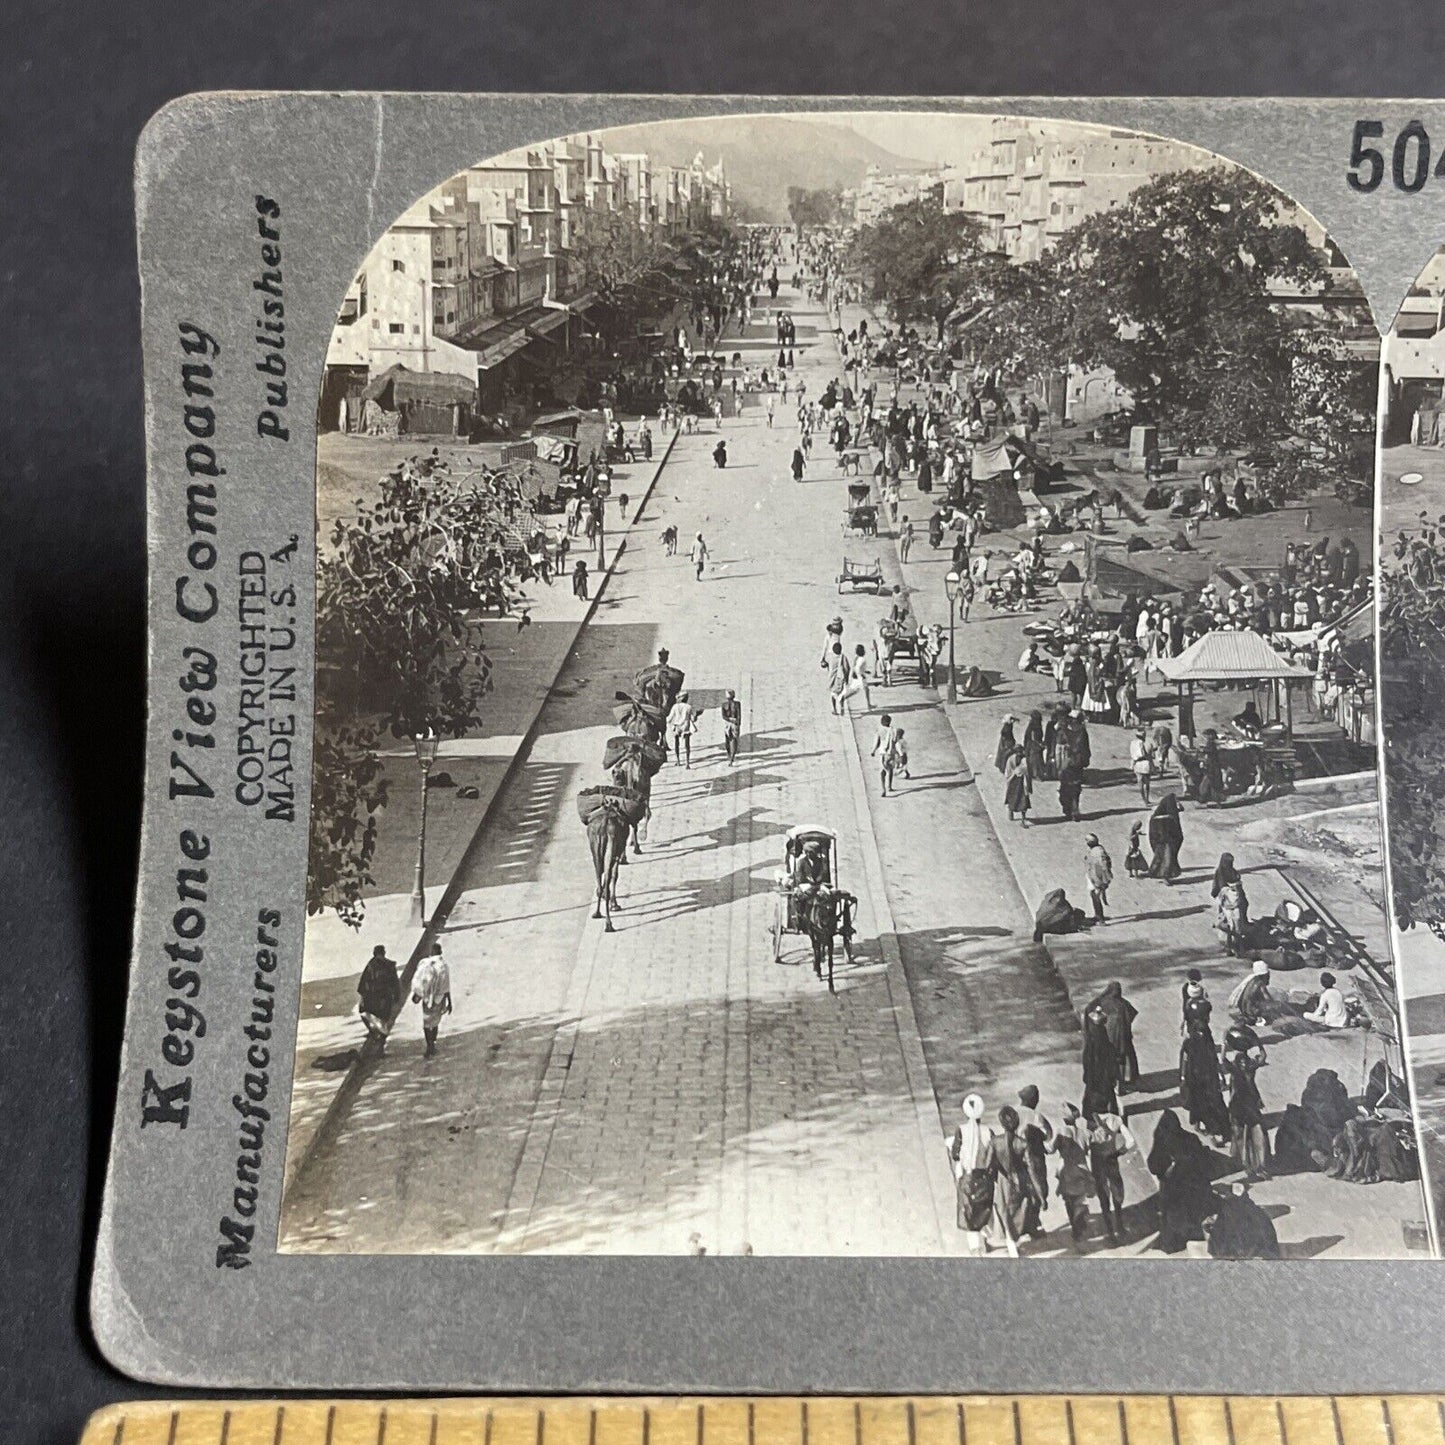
1230 657
439 387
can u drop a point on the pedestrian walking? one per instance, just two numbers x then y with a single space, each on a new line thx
698 553
1099 869
771 404
1075 1180
1135 864
1119 1015
1018 1192
1037 1133
431 987
905 539
970 1154
1231 921
1109 1140
1018 787
1140 764
1166 838
1201 1094
882 750
862 670
800 464
579 580
720 455
378 993
682 723
1249 1143
732 717
839 674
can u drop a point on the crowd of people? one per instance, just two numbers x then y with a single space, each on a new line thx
1205 1152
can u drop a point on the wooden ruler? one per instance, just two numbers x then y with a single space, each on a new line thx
787 1420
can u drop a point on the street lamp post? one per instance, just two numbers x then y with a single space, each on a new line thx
951 586
426 755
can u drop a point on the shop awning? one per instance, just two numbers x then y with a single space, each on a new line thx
1230 657
1417 323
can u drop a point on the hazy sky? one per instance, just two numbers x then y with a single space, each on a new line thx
920 137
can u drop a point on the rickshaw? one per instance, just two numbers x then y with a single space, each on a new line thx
810 861
856 574
861 516
898 642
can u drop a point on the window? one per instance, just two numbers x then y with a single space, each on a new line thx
396 328
399 266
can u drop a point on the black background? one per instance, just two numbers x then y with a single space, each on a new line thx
79 83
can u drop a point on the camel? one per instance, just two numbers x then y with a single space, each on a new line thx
607 831
634 773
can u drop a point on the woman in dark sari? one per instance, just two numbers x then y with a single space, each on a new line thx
1181 1165
1119 1015
1101 1067
1033 744
1211 774
1200 1091
1006 744
1246 1115
1166 837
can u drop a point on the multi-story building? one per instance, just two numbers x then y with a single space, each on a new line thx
1413 355
1031 182
880 191
482 277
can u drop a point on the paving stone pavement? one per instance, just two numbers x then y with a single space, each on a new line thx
666 1088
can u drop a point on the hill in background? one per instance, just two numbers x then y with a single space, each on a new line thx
764 155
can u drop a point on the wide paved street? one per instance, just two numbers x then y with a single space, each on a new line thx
668 1088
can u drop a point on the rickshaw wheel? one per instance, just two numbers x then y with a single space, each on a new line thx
777 939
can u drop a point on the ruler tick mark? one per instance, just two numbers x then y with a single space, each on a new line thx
175 1426
381 1428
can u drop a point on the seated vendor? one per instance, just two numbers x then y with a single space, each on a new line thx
1056 915
976 684
1329 1010
1249 721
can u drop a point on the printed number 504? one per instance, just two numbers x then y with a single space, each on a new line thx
1409 158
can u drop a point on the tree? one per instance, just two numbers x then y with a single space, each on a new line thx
1412 651
1171 290
398 651
816 208
918 259
1015 322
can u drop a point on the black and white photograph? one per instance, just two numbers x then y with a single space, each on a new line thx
846 710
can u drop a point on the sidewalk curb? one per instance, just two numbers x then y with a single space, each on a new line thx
370 1050
932 1133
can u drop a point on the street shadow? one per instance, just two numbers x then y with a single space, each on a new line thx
1310 1248
997 988
1167 913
